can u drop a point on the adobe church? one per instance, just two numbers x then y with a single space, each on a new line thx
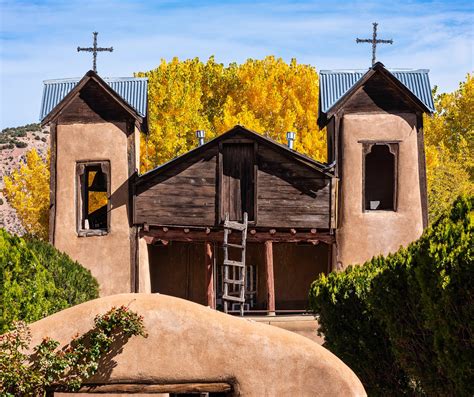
240 216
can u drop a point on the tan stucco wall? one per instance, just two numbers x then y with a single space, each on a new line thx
188 342
108 257
362 235
144 281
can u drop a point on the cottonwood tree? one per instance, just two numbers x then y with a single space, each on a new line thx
271 97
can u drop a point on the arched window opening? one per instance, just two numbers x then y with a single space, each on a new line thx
380 177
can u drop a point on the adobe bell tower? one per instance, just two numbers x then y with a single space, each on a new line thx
374 124
95 128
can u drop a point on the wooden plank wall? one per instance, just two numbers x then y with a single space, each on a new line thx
183 195
92 105
289 194
237 181
378 95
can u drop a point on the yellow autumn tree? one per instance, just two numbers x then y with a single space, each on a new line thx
268 96
27 190
271 97
449 140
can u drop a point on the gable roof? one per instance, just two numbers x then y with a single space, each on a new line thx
131 90
240 130
334 85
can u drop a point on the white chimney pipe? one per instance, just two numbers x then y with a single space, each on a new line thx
200 134
290 136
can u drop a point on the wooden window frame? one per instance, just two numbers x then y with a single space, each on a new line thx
80 169
393 147
220 168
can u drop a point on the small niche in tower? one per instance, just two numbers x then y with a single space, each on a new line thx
380 176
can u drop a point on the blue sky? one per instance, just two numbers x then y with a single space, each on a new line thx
38 39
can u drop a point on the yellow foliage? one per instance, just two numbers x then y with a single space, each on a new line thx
449 144
268 96
96 200
27 191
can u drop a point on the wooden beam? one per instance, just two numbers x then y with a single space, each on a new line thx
204 235
269 277
218 387
52 182
209 260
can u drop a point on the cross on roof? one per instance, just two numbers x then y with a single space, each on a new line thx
94 49
374 42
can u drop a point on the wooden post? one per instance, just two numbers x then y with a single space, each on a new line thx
269 276
209 260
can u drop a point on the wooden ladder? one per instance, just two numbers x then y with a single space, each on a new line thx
239 266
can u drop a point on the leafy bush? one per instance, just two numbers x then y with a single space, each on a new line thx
404 323
20 144
30 375
36 280
353 333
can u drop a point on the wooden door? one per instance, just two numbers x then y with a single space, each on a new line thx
238 184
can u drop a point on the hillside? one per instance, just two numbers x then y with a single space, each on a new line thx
14 143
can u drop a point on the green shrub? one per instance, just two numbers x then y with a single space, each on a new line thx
352 332
36 280
76 283
412 311
445 273
20 144
430 317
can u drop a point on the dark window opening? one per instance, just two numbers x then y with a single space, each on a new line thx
380 177
93 197
238 182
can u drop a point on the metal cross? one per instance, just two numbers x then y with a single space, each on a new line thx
374 42
94 51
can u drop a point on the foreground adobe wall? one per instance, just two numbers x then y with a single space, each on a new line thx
191 343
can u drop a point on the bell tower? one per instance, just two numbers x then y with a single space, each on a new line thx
95 134
374 123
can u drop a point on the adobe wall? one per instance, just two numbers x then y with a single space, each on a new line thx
362 235
188 342
107 257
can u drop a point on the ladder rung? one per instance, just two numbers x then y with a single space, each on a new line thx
233 245
234 225
235 282
233 298
233 263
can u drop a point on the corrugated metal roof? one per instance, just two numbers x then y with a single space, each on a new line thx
333 84
132 89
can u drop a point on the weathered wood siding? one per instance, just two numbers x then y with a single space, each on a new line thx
183 195
92 106
378 95
290 194
238 181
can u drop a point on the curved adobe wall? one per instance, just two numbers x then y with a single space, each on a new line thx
191 343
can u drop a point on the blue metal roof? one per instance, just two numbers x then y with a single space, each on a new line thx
333 84
132 89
